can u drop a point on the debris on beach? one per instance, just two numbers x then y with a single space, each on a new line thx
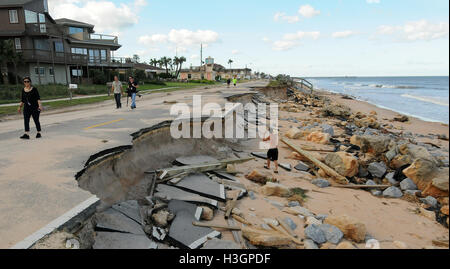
211 200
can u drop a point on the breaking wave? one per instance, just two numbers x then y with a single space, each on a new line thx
427 99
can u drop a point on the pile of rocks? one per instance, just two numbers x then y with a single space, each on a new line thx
368 153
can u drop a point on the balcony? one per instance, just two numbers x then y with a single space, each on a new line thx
96 38
45 56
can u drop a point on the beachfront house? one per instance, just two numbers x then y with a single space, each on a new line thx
59 51
212 71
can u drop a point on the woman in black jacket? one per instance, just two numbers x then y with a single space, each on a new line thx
32 107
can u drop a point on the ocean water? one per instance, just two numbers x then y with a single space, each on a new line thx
426 98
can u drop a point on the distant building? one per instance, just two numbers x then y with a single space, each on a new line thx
55 51
212 71
150 70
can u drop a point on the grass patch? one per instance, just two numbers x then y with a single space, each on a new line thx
12 93
169 87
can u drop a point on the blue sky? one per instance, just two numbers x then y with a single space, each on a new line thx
301 38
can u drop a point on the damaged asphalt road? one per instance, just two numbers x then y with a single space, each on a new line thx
44 190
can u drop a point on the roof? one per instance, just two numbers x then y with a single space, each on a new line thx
64 21
95 42
14 3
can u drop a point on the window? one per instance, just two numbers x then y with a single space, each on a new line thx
75 30
43 28
103 55
59 47
50 71
30 17
41 18
94 55
77 72
41 44
18 43
39 71
13 17
79 51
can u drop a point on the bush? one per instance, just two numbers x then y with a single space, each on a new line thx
139 75
98 77
203 81
165 76
155 82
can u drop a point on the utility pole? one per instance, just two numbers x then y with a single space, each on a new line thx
201 55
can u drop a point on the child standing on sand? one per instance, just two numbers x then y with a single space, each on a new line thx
272 154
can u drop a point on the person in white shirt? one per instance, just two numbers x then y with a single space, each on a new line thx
272 154
118 91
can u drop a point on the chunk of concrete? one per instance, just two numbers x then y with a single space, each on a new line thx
286 166
172 193
202 185
194 160
302 167
220 244
183 233
261 155
113 220
130 209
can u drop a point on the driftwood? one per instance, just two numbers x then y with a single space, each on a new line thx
217 226
329 171
237 235
241 220
232 205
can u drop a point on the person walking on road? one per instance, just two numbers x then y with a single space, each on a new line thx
32 107
235 81
118 91
132 91
228 82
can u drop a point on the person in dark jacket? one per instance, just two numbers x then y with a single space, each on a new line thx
32 107
132 91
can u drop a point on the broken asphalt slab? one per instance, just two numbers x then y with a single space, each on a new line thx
202 185
168 192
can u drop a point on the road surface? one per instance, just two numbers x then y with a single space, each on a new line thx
37 182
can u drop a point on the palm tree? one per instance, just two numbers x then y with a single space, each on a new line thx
166 62
180 61
154 62
230 62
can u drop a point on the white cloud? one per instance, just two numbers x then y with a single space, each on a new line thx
373 1
195 57
416 30
235 52
181 38
308 11
266 40
300 35
291 40
189 38
344 34
283 45
280 16
152 39
105 15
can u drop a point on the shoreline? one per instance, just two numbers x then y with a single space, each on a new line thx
415 125
383 107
